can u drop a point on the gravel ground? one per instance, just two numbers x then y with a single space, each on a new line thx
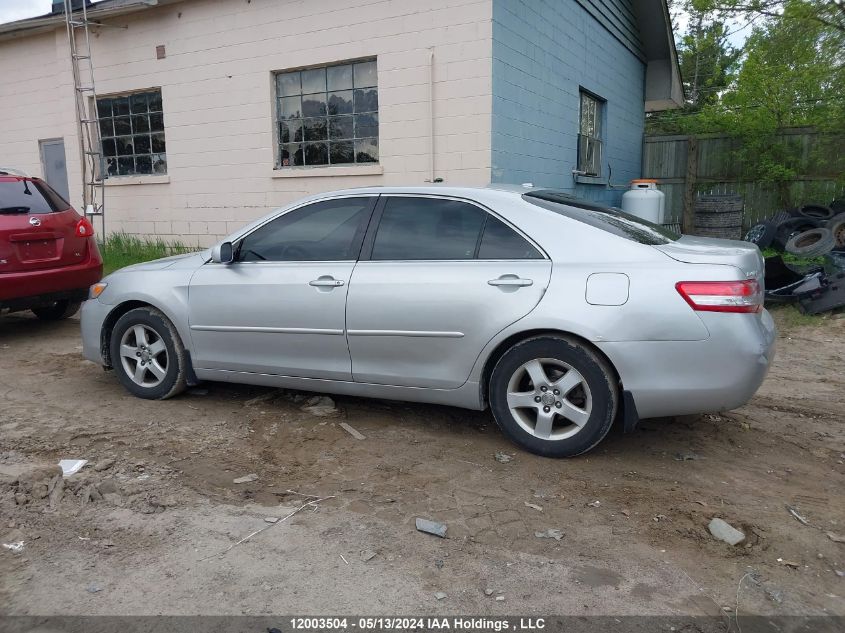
155 527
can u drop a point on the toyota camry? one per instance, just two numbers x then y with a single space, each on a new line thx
561 315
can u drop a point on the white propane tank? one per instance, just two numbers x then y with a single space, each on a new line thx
645 201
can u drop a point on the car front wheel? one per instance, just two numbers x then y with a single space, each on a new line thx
553 396
148 355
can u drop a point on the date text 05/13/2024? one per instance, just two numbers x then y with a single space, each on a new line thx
418 624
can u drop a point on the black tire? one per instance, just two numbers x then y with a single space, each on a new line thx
812 243
728 219
174 378
723 233
761 234
816 211
596 374
792 227
57 311
836 225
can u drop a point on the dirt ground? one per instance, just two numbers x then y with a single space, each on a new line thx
147 535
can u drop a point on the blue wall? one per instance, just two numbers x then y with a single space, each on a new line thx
543 52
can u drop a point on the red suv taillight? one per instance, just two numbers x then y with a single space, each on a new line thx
84 228
722 296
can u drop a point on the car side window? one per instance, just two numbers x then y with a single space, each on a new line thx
331 230
501 242
427 229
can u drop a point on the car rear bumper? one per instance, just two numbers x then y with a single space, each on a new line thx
34 284
667 378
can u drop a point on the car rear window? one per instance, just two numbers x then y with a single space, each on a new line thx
29 196
609 219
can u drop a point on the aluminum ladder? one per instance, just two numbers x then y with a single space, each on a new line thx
85 99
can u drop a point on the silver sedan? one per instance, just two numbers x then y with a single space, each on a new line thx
560 314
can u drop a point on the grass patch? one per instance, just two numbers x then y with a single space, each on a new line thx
121 249
795 260
787 316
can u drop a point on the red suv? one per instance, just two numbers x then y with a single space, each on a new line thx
48 255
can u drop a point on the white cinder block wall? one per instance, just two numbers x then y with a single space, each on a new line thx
218 97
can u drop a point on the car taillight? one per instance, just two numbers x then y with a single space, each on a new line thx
84 228
722 296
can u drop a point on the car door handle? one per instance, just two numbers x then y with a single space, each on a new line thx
511 280
326 281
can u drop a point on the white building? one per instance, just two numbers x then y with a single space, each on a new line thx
212 112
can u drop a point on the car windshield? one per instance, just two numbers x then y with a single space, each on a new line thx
609 219
28 196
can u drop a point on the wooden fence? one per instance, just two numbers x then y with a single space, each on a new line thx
688 165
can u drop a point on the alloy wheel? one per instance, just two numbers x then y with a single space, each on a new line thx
549 399
143 355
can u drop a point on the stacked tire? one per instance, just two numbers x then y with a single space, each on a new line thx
719 216
812 230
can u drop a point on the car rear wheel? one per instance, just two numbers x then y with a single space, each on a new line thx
57 310
553 396
148 354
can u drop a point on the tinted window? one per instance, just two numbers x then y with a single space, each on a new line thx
427 228
606 218
324 231
29 196
502 242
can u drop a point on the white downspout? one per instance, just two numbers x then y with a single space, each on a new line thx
431 113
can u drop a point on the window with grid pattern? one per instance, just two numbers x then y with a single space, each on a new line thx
132 134
328 115
590 135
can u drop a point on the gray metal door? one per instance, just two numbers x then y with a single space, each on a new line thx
55 167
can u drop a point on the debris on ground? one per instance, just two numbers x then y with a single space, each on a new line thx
264 397
503 458
794 512
500 598
368 555
488 592
775 595
839 573
354 433
789 563
94 589
836 538
533 506
245 479
271 519
686 457
594 504
320 406
16 546
550 533
71 466
439 595
431 527
104 464
724 531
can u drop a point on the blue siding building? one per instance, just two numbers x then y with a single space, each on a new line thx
572 80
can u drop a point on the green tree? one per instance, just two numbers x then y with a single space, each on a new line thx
706 59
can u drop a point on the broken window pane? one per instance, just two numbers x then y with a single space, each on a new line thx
316 106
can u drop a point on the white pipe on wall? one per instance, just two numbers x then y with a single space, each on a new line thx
431 113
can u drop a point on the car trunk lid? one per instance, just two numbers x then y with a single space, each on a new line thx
705 250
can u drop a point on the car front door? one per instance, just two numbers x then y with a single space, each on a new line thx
279 307
438 278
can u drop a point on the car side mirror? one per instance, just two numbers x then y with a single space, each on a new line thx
223 253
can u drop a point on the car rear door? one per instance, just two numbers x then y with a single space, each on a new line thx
37 227
438 278
279 308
